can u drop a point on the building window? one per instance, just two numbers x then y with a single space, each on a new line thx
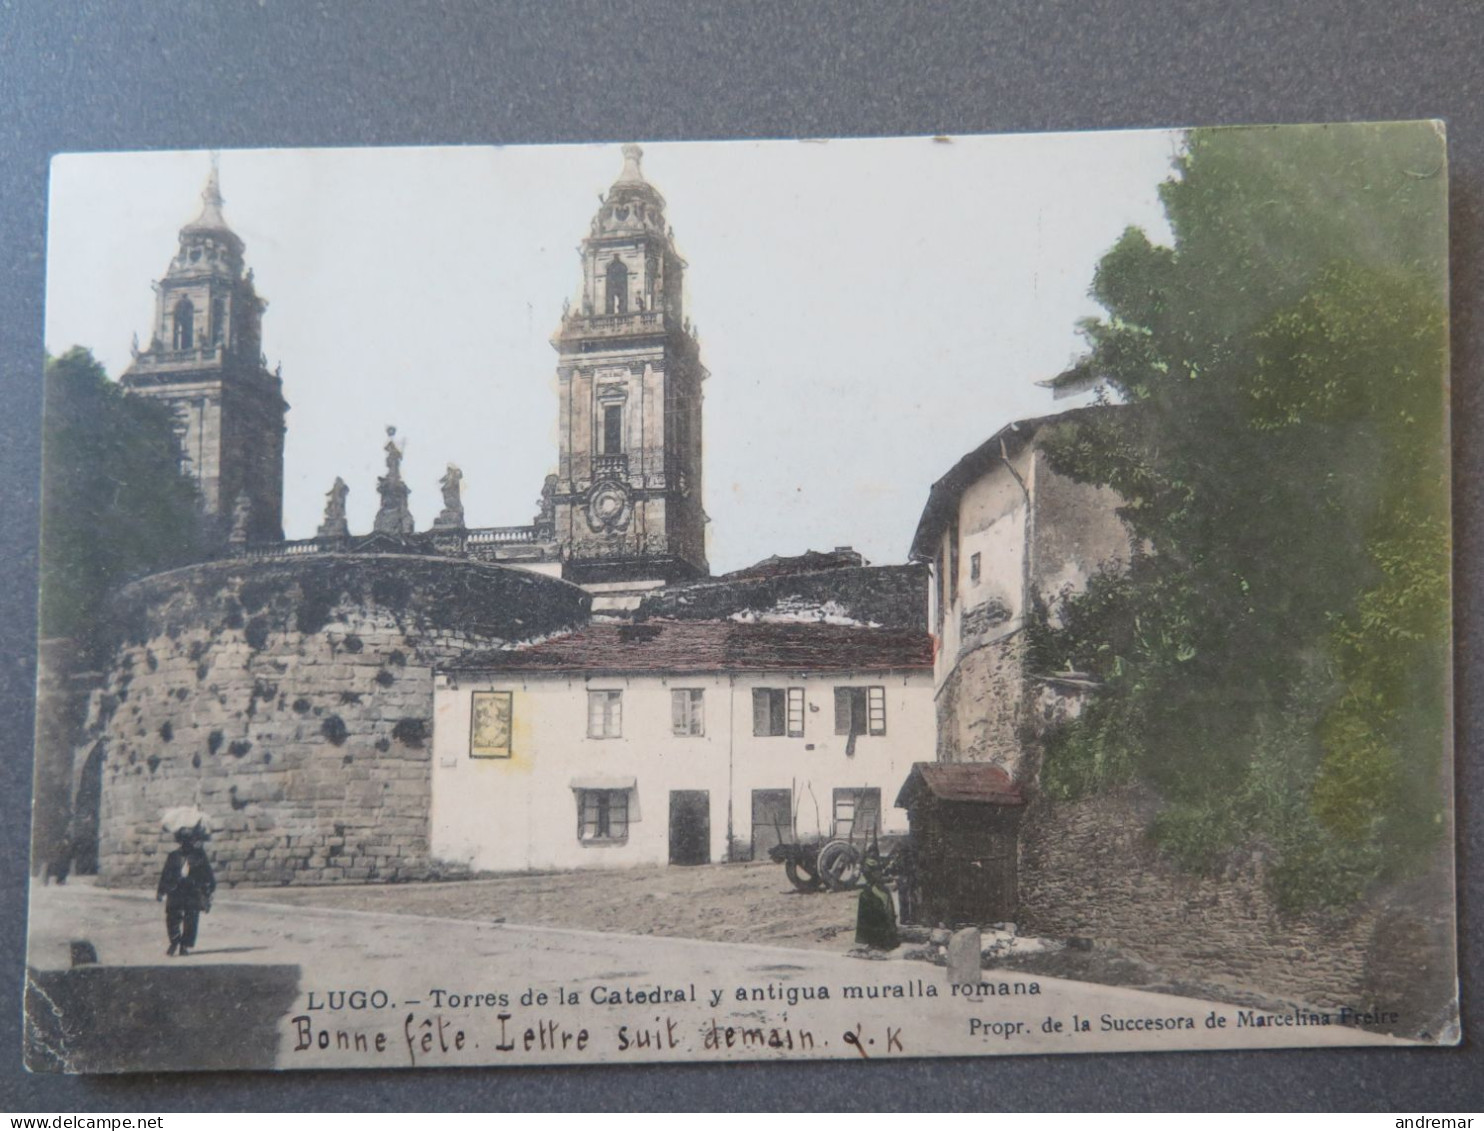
612 429
974 568
489 731
688 711
602 815
617 299
778 711
605 714
860 710
218 321
185 325
857 813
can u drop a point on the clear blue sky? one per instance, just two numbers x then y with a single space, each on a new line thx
869 310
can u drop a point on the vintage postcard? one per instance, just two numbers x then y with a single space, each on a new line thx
752 600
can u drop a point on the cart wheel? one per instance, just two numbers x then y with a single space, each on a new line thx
803 883
839 865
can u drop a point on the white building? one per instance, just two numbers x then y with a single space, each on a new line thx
679 742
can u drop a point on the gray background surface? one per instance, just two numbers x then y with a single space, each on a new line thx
138 75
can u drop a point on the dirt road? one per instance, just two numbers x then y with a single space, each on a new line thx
737 903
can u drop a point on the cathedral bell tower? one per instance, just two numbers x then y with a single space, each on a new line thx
205 361
628 492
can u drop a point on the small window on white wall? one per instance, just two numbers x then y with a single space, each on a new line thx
605 714
688 711
974 569
602 815
778 711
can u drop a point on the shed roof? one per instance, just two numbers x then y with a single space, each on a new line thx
711 646
979 782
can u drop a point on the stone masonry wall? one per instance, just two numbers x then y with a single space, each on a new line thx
982 705
890 596
1087 869
292 700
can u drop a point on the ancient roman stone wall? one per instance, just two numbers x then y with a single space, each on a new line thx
1088 870
292 700
982 705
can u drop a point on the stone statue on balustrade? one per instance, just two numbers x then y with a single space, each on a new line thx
335 524
451 517
546 506
393 516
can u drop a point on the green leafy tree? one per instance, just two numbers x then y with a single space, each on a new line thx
1275 657
114 503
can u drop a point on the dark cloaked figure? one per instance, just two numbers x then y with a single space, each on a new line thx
186 884
875 917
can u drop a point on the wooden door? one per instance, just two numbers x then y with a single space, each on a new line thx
690 826
966 865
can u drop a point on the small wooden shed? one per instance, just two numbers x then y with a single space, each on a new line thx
965 820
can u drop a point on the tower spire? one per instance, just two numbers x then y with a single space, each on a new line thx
626 500
205 360
632 173
211 219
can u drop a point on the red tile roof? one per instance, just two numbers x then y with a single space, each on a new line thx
712 646
959 781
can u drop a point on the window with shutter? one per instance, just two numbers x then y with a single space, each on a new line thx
777 711
860 710
857 813
605 714
796 712
762 711
602 815
843 713
876 710
844 812
687 711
